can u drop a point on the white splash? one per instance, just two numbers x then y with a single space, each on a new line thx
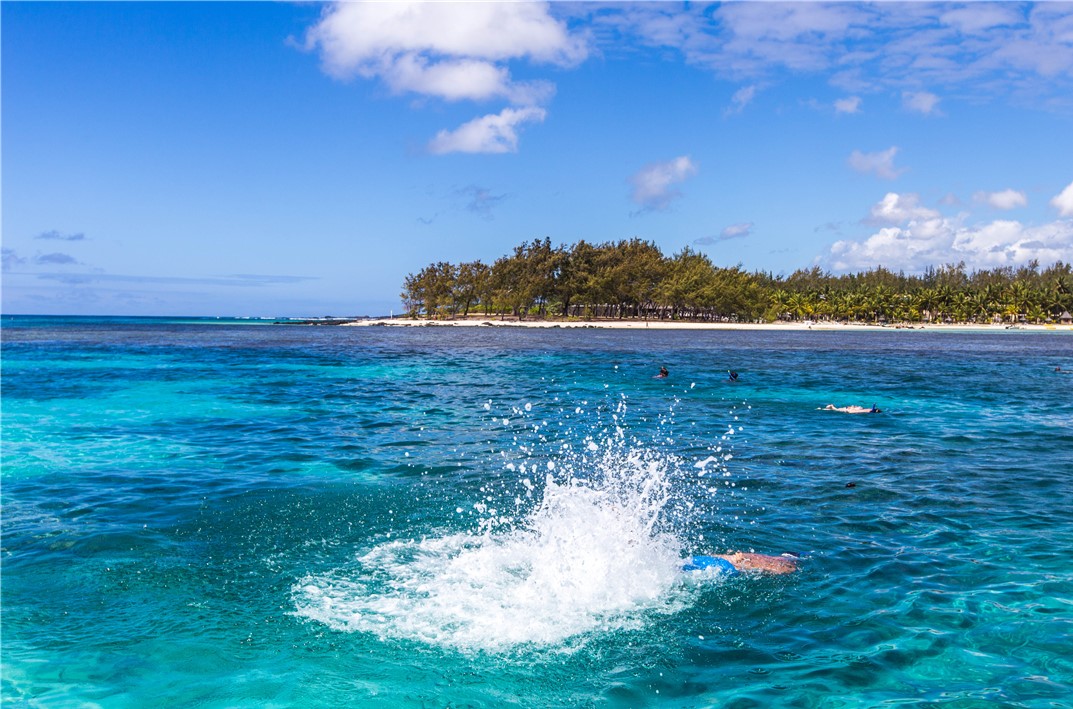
597 548
593 555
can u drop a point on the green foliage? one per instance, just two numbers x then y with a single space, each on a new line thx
633 279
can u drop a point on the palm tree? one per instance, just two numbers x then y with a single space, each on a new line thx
881 302
780 301
962 306
1017 299
924 300
1036 313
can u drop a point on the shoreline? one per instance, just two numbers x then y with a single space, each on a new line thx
680 325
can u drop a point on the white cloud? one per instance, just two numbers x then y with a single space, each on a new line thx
462 79
653 185
741 98
1009 51
736 231
1006 199
451 51
1006 243
797 36
495 133
936 241
1063 201
891 247
880 164
912 237
977 18
921 102
369 39
897 208
1044 48
850 104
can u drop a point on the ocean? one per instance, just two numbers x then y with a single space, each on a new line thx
221 513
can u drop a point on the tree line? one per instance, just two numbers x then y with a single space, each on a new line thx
633 279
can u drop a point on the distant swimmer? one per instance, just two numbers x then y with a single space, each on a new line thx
730 564
1059 370
853 409
663 373
732 376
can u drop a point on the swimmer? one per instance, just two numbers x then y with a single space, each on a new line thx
736 561
663 373
1059 370
853 409
732 376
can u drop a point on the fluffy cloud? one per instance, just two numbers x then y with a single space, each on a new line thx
465 51
1006 199
373 39
1063 201
921 102
451 51
897 208
495 133
880 164
911 237
936 241
456 80
850 104
653 185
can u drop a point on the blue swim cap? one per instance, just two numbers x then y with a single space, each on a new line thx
715 564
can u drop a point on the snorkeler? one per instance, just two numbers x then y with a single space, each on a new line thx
732 376
663 373
853 409
730 564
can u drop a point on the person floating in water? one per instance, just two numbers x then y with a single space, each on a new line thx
732 376
663 373
1059 370
736 561
853 409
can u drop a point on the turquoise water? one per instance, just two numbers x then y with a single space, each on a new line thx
218 514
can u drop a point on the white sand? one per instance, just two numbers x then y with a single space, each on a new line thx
679 325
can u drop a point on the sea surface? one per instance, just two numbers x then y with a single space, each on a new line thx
214 513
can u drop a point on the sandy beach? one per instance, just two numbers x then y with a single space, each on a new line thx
681 325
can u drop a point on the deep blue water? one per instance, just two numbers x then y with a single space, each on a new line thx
217 514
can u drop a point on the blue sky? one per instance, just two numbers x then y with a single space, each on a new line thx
273 159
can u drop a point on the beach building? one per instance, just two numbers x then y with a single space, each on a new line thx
1065 318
